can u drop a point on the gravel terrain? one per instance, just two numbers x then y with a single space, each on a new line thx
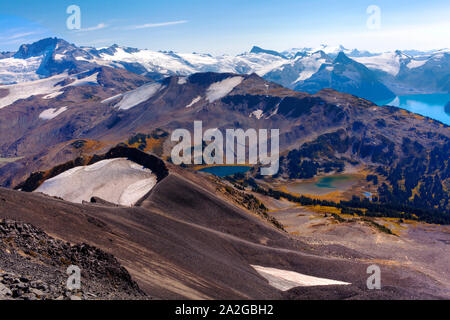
33 267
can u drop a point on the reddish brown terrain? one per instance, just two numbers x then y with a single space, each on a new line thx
183 240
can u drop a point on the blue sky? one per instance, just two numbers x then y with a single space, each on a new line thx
229 26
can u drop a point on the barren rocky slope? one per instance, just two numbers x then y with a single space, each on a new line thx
318 133
33 267
184 241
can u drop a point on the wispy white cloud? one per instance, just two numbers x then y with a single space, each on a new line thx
19 41
24 35
97 27
155 25
13 34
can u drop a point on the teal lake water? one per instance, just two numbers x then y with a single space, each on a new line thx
223 171
428 105
323 185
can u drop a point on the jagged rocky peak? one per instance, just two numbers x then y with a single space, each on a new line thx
42 47
342 58
258 50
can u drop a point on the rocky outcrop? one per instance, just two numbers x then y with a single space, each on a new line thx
33 266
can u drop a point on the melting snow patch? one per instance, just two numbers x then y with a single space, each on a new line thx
19 70
220 89
53 95
258 114
194 101
285 280
108 100
310 65
388 62
118 181
137 96
51 113
59 56
182 80
25 90
90 80
416 63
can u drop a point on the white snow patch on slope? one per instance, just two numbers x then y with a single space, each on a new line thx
81 59
118 181
137 96
311 64
27 89
388 62
257 114
53 95
220 89
152 61
416 63
51 113
194 101
189 63
285 280
182 80
59 56
108 100
92 79
45 87
19 70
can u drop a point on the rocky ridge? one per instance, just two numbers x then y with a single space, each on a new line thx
33 267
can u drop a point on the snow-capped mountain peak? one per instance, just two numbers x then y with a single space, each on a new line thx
290 68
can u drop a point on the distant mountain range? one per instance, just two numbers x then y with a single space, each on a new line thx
373 76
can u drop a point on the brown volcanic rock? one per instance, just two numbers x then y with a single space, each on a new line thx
42 261
185 242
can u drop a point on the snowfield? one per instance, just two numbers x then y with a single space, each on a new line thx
118 181
14 70
137 96
257 114
183 64
194 101
110 99
182 80
220 89
416 63
51 113
311 65
25 90
388 62
285 280
90 80
152 61
47 87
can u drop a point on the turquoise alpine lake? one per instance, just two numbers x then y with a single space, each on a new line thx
323 185
428 105
223 171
